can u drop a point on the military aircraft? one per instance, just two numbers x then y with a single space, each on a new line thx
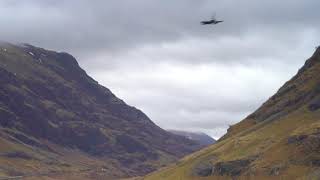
212 21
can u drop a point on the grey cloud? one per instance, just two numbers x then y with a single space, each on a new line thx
185 96
86 26
155 55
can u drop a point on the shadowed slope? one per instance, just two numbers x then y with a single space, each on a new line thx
48 103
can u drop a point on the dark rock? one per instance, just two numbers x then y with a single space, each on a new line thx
309 143
203 169
275 171
312 143
296 139
231 168
315 104
17 154
315 162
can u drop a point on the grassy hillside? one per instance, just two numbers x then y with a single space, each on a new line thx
55 118
281 140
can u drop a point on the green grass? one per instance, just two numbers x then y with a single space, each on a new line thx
268 141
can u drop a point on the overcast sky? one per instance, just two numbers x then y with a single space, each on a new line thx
155 55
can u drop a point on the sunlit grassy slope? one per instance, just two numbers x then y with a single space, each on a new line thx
281 140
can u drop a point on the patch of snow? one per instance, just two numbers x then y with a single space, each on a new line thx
31 53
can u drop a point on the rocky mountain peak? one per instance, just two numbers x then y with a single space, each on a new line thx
317 50
47 98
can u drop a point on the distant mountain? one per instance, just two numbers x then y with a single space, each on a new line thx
55 120
280 140
202 138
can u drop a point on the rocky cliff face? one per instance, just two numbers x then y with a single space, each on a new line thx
280 140
48 103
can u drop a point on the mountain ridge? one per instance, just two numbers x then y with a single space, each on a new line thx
280 140
50 107
200 137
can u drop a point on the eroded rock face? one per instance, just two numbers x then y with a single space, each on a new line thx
17 154
228 168
276 170
310 142
314 104
203 169
297 139
231 168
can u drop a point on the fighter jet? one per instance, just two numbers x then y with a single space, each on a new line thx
212 21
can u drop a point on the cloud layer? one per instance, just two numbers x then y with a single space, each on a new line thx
155 55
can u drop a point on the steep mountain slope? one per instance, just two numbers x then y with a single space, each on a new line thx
202 138
281 140
54 118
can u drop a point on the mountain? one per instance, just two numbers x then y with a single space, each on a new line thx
202 138
55 121
280 140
